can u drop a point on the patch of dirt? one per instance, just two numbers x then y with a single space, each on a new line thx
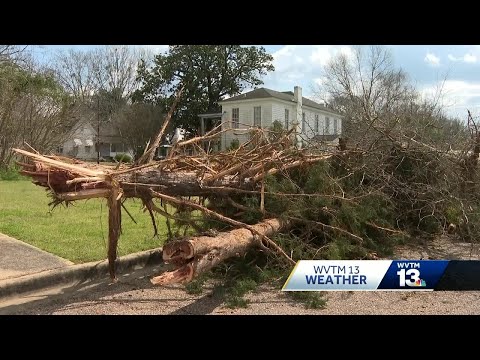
443 247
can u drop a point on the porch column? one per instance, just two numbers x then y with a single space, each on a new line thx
202 126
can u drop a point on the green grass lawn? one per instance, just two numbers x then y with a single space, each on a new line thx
78 232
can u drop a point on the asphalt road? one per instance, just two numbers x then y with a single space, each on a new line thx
134 294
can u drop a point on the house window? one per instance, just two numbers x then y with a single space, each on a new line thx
88 145
287 114
316 124
335 126
60 150
327 126
113 147
235 118
304 123
257 116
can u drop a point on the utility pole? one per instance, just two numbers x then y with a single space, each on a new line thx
98 129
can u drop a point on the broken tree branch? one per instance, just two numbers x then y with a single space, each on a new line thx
149 153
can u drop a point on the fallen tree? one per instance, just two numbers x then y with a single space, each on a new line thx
178 176
197 255
220 174
336 201
405 170
204 176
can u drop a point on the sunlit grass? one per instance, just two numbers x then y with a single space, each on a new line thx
79 232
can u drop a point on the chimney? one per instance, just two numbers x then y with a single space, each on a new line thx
297 93
297 97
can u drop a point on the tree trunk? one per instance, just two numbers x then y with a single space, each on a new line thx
114 229
179 183
182 177
173 183
199 254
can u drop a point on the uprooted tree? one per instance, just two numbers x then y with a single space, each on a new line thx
397 179
206 176
330 202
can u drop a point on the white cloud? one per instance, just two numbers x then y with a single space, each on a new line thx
321 55
467 58
431 59
301 65
456 96
287 57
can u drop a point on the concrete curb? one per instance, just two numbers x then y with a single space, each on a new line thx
22 243
77 273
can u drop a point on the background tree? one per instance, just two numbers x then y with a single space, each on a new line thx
367 89
79 73
34 108
12 53
209 72
378 101
138 123
109 68
101 81
407 141
118 68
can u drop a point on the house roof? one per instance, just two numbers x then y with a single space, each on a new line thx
326 137
107 129
210 115
262 93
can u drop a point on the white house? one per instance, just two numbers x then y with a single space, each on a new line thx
82 142
261 107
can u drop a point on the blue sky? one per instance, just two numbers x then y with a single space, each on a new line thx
429 66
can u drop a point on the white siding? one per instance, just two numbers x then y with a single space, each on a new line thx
87 132
246 119
310 124
278 112
273 109
322 125
329 130
83 133
339 125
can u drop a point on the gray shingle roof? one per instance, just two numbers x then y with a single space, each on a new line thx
262 93
329 137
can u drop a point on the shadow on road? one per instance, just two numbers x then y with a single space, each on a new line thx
133 293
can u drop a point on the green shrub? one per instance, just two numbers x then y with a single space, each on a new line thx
10 174
123 158
234 144
453 213
311 300
195 287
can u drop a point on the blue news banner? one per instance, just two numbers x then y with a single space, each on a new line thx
419 275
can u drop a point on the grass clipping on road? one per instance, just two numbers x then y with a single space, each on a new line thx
79 232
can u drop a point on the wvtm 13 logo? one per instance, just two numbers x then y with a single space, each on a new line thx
409 275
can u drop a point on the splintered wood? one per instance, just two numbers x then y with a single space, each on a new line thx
179 175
